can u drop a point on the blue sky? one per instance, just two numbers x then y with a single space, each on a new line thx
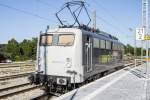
113 16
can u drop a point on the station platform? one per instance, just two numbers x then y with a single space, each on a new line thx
130 83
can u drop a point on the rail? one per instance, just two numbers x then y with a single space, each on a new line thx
16 75
16 64
138 62
11 91
7 69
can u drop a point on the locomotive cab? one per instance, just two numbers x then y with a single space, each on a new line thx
60 57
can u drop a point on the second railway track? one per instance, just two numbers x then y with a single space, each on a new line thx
15 75
15 90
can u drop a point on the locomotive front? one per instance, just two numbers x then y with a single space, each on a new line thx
59 58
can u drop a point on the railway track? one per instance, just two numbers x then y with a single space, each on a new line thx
16 68
10 89
15 90
7 77
22 88
47 96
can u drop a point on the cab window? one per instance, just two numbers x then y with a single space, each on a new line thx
46 39
49 39
66 40
43 40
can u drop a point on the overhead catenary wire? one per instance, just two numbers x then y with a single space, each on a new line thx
100 18
49 5
47 19
26 12
108 23
45 3
114 18
110 14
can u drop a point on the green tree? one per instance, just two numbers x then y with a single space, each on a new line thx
28 49
3 53
13 49
34 47
129 49
138 51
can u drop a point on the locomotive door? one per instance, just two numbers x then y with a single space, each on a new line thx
88 53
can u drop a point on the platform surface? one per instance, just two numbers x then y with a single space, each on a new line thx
130 83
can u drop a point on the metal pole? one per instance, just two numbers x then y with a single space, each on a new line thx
145 26
94 19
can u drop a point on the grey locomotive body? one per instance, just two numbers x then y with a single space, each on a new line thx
69 57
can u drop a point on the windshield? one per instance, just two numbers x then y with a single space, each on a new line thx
66 40
43 40
46 39
49 39
57 39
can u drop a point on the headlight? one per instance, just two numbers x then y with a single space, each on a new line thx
39 61
68 62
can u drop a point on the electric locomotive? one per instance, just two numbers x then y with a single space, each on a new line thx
69 56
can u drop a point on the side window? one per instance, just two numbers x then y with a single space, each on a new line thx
96 43
114 46
108 45
102 44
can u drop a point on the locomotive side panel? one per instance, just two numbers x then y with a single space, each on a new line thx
103 56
